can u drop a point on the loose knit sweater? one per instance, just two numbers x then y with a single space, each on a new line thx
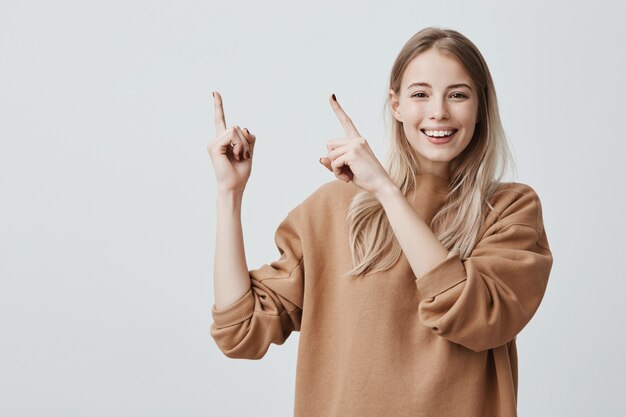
390 343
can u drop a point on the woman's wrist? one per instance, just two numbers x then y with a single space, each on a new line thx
229 198
386 190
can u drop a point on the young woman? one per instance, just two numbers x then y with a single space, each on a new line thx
408 283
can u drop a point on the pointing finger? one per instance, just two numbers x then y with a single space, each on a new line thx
220 121
346 122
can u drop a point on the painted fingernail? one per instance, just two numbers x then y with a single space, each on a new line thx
334 98
212 92
321 161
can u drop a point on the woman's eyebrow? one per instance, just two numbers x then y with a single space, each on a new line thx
423 84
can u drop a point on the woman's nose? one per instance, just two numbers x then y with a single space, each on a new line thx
439 109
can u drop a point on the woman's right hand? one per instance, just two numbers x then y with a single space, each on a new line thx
232 164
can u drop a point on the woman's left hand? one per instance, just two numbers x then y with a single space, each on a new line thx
352 159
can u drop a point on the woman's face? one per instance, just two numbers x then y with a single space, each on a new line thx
439 104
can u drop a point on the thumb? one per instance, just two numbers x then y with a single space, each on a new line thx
326 162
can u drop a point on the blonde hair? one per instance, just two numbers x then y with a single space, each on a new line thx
475 176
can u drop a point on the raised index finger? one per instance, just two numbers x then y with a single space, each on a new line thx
220 121
346 122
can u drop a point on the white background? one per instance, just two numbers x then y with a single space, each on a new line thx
107 193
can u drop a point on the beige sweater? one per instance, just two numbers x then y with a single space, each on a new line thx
391 344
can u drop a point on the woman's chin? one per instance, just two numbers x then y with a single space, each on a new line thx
440 156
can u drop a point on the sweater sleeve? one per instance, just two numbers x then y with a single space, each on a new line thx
272 308
485 300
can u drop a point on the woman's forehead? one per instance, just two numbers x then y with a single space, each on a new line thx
437 70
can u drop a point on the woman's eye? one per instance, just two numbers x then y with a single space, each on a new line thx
455 95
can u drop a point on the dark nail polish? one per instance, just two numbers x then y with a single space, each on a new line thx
334 98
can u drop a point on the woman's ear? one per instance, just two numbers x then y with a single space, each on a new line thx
395 103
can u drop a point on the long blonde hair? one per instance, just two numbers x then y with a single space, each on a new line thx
476 172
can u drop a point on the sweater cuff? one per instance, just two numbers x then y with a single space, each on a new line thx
443 276
237 312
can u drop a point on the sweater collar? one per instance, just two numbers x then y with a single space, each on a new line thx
429 195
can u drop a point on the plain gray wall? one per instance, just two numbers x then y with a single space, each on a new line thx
107 198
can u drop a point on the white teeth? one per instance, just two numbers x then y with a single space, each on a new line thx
438 133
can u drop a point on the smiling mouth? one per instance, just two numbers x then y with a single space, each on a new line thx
441 136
